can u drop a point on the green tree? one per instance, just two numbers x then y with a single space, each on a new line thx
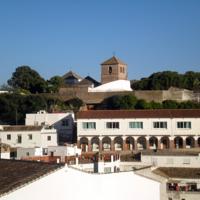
170 104
74 104
27 79
54 84
196 85
121 102
142 104
166 79
155 105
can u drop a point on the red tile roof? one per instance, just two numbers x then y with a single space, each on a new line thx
113 61
158 113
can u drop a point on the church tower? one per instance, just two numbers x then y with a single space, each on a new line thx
113 69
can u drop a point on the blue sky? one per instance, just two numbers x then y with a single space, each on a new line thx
55 36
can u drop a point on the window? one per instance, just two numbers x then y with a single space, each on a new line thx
89 125
49 138
136 125
121 69
65 122
19 139
160 124
112 125
110 70
8 137
30 137
184 125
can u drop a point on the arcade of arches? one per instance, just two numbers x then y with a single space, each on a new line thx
120 143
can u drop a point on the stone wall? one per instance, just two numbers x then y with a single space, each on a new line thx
148 95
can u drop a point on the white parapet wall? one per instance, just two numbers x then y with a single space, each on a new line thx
71 184
114 86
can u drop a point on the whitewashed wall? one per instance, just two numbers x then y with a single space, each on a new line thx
5 155
147 127
69 184
52 119
39 138
171 161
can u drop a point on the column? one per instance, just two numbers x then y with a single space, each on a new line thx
184 142
171 143
89 145
100 144
196 142
112 144
78 142
135 143
147 142
159 143
124 148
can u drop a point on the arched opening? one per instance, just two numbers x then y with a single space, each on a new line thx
198 142
153 142
190 142
95 144
141 143
84 144
164 143
118 143
178 142
130 143
106 142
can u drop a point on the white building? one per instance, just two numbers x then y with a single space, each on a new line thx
63 151
67 183
62 122
177 183
26 152
138 129
28 136
173 158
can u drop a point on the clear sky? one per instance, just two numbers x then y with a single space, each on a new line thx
55 36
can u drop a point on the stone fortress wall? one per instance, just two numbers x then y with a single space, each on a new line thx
114 69
148 95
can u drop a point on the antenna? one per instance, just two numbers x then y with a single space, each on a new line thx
114 53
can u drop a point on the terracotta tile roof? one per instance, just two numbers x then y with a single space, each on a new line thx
113 61
158 113
14 174
178 172
21 128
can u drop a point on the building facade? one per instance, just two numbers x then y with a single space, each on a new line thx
117 130
28 136
177 183
62 122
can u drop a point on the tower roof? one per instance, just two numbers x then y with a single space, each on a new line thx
113 61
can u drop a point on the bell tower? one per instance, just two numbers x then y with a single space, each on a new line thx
113 69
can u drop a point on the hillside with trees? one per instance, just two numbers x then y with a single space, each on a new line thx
27 80
29 93
131 102
166 79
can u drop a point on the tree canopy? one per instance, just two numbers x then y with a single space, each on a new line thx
54 84
131 102
164 80
27 79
